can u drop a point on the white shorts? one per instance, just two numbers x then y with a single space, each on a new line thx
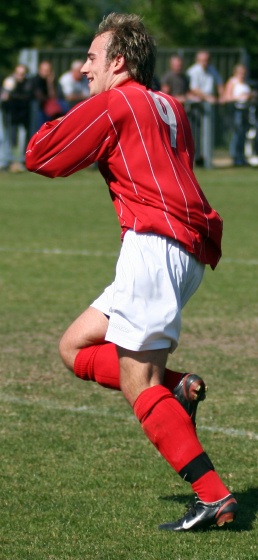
155 277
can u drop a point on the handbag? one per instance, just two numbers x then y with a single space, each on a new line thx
52 108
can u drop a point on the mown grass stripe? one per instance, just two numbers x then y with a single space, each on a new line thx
87 253
105 411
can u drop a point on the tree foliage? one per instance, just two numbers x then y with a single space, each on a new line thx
197 23
192 23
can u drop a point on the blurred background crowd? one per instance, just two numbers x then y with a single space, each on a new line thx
28 100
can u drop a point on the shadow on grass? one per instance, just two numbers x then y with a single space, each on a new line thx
248 507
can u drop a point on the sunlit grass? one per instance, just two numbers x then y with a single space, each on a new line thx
79 479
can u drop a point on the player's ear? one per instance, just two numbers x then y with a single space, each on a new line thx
119 62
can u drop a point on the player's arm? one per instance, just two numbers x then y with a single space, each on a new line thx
64 146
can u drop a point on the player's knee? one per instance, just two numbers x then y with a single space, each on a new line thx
62 350
65 353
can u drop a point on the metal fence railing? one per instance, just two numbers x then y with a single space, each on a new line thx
211 123
224 59
211 126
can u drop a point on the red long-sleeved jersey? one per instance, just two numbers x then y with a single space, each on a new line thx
144 147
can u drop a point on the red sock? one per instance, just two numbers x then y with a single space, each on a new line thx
100 363
170 429
168 426
210 487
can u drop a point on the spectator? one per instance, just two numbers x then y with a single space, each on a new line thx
48 95
16 99
74 84
206 83
176 82
238 93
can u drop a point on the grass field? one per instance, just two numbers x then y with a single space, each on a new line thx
79 479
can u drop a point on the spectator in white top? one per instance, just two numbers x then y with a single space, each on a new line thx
238 93
206 83
74 84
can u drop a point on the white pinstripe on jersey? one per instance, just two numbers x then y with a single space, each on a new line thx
129 130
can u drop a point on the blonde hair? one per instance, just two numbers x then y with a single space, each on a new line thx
130 39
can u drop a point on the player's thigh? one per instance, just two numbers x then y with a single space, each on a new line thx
89 328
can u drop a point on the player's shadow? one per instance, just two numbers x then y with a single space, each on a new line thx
247 504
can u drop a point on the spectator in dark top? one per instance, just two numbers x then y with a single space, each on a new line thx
48 94
175 82
15 100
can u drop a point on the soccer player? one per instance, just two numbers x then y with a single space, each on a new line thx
142 142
